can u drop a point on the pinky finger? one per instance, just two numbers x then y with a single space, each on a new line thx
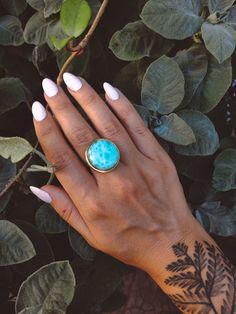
63 205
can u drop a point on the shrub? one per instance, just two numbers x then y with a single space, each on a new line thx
173 59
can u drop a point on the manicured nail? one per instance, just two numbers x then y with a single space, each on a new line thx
49 87
72 82
42 195
111 91
38 111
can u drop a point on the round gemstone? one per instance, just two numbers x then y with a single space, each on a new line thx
103 155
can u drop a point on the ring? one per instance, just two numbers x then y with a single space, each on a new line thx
102 155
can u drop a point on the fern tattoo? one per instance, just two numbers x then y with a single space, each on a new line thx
205 277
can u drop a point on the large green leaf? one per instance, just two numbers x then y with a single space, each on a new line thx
16 148
207 138
220 40
219 5
163 86
173 19
36 4
11 32
7 172
139 41
80 246
174 129
193 63
231 17
15 246
52 7
49 290
224 176
217 218
12 93
14 7
214 86
57 35
48 221
35 31
75 16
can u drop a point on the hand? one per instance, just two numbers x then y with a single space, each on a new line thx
137 210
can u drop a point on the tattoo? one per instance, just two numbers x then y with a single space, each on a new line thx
207 280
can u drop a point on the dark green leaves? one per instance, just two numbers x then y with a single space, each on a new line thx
15 246
207 140
173 19
219 5
163 86
11 33
136 41
7 172
48 290
220 40
48 221
224 176
174 129
52 7
14 7
35 31
75 16
15 148
12 93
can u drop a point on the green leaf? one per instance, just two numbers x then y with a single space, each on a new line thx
35 32
11 32
7 172
145 114
4 200
139 41
57 35
219 5
15 246
36 4
214 86
49 290
12 93
163 86
224 176
48 221
220 40
80 246
15 148
231 17
52 7
173 19
207 139
174 129
14 7
75 16
193 63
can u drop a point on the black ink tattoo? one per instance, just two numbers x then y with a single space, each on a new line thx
207 280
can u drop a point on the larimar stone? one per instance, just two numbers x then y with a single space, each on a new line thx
103 155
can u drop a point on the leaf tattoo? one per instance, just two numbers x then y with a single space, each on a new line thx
207 279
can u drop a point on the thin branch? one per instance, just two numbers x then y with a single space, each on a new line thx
79 49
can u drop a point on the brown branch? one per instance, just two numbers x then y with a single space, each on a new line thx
78 49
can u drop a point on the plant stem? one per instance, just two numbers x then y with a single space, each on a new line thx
79 49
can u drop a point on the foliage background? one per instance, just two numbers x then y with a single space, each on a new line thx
122 58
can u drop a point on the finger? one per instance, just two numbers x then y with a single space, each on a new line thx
77 130
63 205
70 171
135 126
105 122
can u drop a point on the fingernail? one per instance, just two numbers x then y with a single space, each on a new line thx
50 88
72 82
38 111
42 195
111 91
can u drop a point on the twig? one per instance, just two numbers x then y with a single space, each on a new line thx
79 49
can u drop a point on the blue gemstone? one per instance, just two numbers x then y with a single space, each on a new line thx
103 155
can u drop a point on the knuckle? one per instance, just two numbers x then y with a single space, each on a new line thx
128 188
90 98
46 132
82 135
111 129
140 130
60 160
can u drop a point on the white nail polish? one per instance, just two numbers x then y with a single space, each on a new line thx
50 88
111 92
72 82
42 195
38 111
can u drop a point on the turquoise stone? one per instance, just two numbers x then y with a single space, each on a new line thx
103 155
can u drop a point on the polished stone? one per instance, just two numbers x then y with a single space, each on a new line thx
103 155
